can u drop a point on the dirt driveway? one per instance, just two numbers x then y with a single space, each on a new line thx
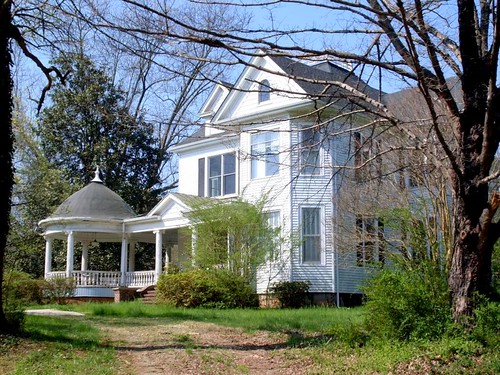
202 348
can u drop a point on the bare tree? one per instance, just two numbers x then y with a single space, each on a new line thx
420 43
162 78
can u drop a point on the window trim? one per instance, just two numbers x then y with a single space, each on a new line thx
322 235
378 247
264 93
277 250
318 169
221 176
262 158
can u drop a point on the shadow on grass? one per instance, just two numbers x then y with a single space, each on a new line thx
79 334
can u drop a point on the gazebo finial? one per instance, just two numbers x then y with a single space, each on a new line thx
97 178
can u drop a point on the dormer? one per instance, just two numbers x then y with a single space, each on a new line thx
214 101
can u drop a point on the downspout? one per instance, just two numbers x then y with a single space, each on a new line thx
335 255
292 192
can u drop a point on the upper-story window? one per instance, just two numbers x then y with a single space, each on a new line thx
310 150
222 174
265 154
264 91
367 158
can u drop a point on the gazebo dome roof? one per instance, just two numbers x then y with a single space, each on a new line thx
94 201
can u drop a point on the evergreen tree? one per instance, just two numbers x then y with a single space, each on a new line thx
88 125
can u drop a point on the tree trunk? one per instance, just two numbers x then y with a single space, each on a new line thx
6 143
470 269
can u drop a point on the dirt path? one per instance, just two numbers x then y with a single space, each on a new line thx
202 348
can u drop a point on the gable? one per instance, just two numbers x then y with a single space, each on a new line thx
243 100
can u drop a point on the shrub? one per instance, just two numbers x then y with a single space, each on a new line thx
58 290
487 324
292 294
20 288
206 288
408 303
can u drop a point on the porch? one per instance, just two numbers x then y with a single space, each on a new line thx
107 279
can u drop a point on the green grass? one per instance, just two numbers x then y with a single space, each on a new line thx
59 346
318 319
334 340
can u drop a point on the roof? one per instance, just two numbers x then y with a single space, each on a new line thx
313 79
410 105
94 201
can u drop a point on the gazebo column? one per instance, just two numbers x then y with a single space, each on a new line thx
85 256
123 261
131 256
70 253
158 253
48 255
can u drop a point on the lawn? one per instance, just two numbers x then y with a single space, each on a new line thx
328 340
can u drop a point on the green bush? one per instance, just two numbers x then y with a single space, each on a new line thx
407 303
205 288
487 325
20 288
58 290
292 294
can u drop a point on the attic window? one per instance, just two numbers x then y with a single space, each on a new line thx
264 91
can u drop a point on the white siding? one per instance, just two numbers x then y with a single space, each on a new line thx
188 163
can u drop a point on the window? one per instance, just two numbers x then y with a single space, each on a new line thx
273 236
370 236
310 150
265 154
273 219
365 150
311 234
222 175
264 91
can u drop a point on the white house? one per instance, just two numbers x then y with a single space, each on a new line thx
281 131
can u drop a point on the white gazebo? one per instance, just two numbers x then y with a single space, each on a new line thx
96 214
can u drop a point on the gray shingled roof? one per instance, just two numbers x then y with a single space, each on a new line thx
410 105
94 201
305 76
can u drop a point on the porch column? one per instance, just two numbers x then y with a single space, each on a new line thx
85 256
167 258
131 256
48 255
70 253
194 238
158 252
123 261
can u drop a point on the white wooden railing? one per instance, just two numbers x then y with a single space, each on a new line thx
140 278
56 275
107 279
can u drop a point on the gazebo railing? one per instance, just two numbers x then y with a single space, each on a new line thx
107 279
97 278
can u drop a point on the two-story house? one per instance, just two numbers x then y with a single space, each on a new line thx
282 131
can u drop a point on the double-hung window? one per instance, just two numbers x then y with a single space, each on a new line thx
222 174
367 158
265 154
310 151
370 247
311 234
273 236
